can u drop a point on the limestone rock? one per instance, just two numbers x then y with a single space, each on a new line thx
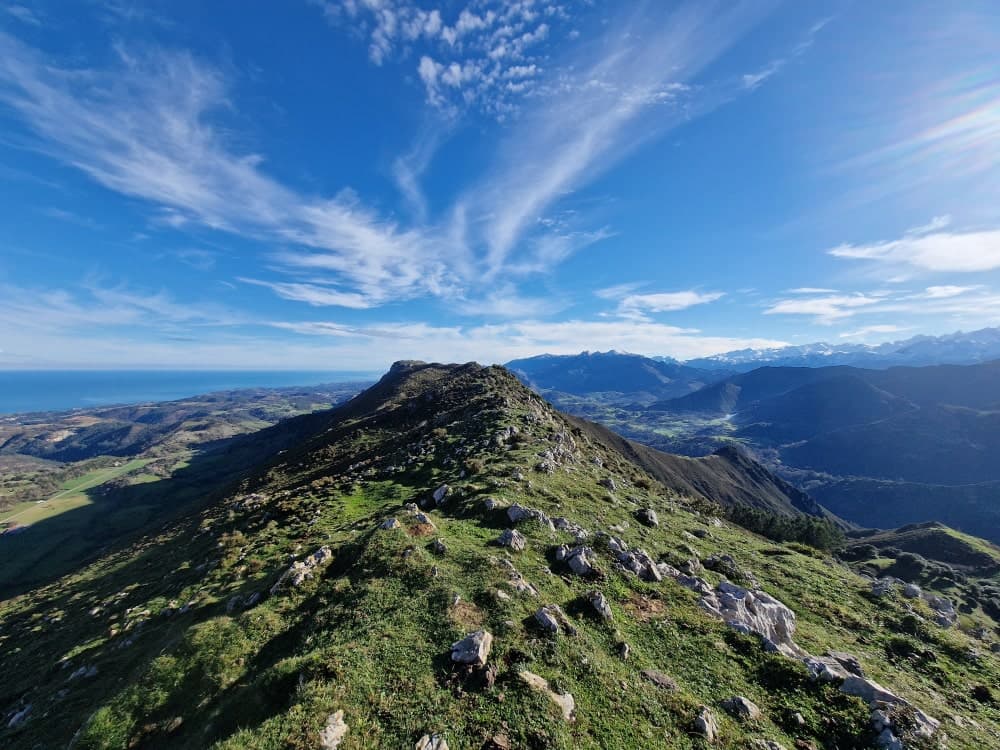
706 724
473 649
579 560
431 742
754 612
659 679
334 732
741 708
564 701
647 517
512 538
389 523
553 619
600 604
441 494
299 572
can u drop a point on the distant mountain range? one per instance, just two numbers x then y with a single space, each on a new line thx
629 377
955 348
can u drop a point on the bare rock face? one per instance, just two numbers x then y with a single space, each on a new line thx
564 701
513 539
334 732
754 612
473 649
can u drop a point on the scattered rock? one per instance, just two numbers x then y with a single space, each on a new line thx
579 560
84 672
609 484
473 649
911 591
647 517
512 538
706 724
659 679
19 717
297 574
553 619
439 547
624 650
600 604
390 523
334 732
517 513
741 708
441 494
882 587
564 700
431 742
755 612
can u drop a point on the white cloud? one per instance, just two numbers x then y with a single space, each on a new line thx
868 331
964 305
811 290
638 305
313 294
147 129
948 291
927 248
468 57
825 309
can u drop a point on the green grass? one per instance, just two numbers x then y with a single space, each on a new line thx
370 633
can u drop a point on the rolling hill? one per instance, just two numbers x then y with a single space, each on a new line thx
617 376
446 561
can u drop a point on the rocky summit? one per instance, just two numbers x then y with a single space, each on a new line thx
446 561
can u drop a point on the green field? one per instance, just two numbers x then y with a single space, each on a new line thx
71 494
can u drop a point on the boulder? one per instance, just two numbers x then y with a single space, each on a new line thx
553 619
297 574
473 649
439 547
512 538
600 604
431 742
742 708
390 523
334 732
441 494
706 724
659 679
647 517
754 612
911 591
539 684
579 560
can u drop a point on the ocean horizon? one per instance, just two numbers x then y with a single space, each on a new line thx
23 391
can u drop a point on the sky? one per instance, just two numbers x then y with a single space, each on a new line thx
338 184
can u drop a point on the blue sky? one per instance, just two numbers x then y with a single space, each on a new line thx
336 184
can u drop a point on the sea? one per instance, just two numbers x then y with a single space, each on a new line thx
52 390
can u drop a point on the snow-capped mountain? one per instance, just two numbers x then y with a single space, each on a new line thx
956 348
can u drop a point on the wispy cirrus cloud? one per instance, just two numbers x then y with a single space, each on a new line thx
149 128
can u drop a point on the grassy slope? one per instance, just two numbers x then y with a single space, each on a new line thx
370 635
